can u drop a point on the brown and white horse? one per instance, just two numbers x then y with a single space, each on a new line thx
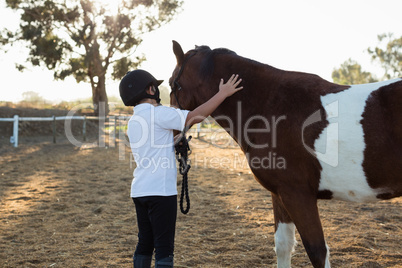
329 141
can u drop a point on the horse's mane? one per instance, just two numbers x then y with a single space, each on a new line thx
207 65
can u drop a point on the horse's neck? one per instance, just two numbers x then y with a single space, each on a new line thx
269 95
238 111
234 117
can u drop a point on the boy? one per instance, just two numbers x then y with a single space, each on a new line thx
153 189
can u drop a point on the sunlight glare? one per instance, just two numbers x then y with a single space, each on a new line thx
111 6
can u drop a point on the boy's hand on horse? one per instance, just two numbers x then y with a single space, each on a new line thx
205 109
231 85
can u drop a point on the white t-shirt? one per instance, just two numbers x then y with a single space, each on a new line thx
150 132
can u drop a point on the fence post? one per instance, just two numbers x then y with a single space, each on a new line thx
14 138
115 130
122 142
102 119
198 130
112 134
84 128
54 129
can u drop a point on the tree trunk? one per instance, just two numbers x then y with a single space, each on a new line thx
99 97
97 77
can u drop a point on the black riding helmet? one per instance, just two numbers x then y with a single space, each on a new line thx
133 87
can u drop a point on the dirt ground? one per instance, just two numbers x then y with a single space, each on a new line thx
68 206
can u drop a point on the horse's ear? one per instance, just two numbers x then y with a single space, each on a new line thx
178 51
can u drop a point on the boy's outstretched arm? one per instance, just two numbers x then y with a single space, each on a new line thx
204 110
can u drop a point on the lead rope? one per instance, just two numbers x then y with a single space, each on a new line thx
182 152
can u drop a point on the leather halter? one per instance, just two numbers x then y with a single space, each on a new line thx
176 86
182 148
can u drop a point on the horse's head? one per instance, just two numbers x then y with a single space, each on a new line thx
197 74
183 81
196 78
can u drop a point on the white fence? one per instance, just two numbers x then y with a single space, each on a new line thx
114 121
16 119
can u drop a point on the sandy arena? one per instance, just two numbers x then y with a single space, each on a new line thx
68 206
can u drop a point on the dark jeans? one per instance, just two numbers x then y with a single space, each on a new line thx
156 219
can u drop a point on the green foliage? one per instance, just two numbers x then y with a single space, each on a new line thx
123 65
351 73
83 39
388 54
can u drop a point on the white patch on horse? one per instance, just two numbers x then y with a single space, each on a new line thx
285 243
346 180
327 263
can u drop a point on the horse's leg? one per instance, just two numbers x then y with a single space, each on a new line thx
284 234
303 210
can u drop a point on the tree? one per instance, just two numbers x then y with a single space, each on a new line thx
164 95
84 39
351 73
32 96
389 57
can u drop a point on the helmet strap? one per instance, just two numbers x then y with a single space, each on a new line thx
155 96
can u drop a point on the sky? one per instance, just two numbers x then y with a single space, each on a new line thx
313 36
